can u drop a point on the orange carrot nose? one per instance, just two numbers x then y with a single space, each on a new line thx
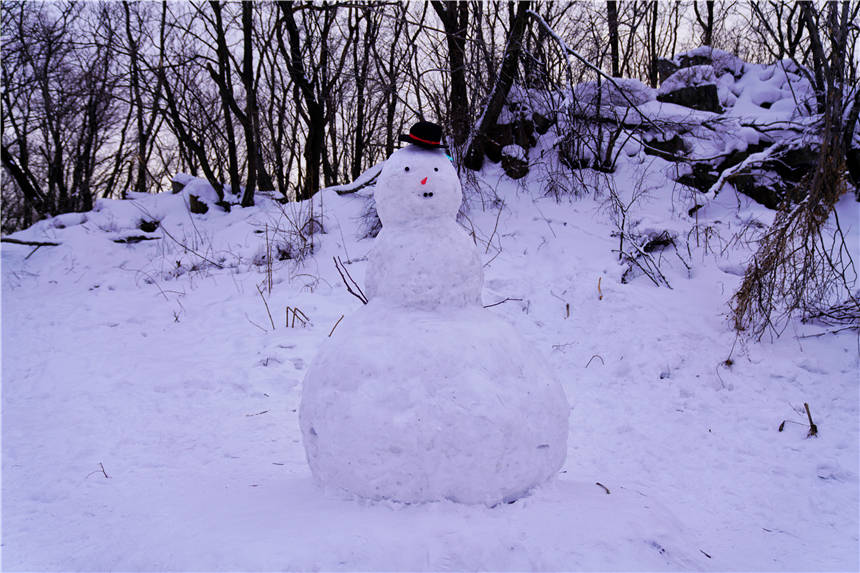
423 181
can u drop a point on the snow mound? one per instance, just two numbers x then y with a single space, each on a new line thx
687 77
514 151
618 92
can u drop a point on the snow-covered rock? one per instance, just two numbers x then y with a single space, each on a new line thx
688 77
618 92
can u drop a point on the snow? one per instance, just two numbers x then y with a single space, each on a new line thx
690 76
427 266
722 61
150 409
191 408
617 91
200 188
514 151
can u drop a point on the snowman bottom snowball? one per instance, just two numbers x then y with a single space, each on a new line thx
417 406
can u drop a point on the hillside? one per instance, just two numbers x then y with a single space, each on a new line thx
152 370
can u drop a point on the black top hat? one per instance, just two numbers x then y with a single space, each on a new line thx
425 134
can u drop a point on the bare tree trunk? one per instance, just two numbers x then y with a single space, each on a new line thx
361 66
315 110
191 150
137 101
639 12
389 68
224 81
612 21
820 67
26 182
455 20
251 120
706 21
652 44
474 157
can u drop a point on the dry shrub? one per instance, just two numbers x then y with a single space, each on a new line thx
803 266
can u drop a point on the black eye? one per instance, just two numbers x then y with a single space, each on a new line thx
435 169
405 169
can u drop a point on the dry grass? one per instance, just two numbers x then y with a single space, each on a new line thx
803 266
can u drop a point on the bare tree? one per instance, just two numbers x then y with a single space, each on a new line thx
313 109
612 22
361 66
59 108
455 20
146 114
706 21
504 80
801 267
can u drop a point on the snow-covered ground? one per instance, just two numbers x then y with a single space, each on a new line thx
150 408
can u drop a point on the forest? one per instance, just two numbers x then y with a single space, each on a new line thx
102 99
105 98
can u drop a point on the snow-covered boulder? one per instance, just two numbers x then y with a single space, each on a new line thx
694 87
514 161
618 92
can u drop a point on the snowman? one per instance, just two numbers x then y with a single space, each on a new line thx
422 394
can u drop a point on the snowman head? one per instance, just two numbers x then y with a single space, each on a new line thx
417 185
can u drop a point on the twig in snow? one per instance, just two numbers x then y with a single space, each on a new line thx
717 371
493 234
501 301
652 263
297 313
257 414
826 332
335 326
493 259
606 489
101 469
189 249
784 422
344 274
599 357
545 220
259 290
29 243
255 324
813 429
566 305
599 292
37 244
